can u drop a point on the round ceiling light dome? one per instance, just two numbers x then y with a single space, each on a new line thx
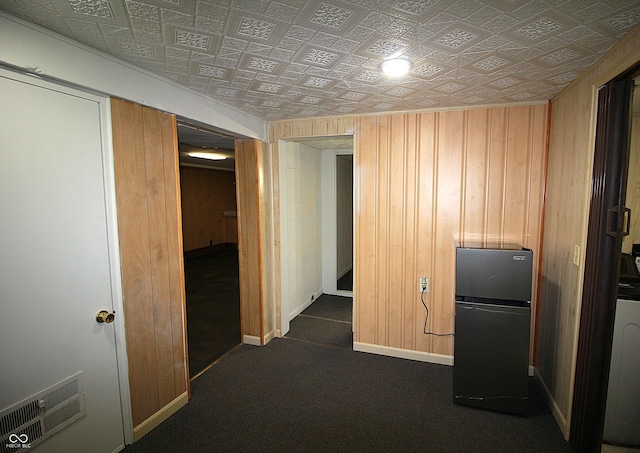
396 67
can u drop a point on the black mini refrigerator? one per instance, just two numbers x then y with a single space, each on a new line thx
492 326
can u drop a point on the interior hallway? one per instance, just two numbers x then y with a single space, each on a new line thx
327 321
213 307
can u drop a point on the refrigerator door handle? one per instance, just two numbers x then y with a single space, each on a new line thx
627 214
618 229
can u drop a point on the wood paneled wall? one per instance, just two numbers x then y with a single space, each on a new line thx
571 151
150 232
206 194
424 182
255 240
313 127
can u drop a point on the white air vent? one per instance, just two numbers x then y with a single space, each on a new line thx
34 419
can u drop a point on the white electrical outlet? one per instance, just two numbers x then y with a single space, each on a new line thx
423 284
576 255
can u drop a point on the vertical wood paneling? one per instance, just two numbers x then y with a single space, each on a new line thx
175 253
448 198
424 182
409 270
517 174
206 194
426 131
475 174
365 180
131 192
266 242
149 228
156 212
248 190
396 194
496 174
256 245
382 221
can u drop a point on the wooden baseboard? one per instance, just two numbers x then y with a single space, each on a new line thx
210 249
269 336
555 410
440 359
146 426
252 340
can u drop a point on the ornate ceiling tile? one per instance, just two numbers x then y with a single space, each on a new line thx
293 58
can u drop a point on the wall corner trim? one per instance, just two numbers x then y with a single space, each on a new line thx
555 410
269 336
439 359
167 411
252 340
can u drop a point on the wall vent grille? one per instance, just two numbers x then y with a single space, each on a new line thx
34 419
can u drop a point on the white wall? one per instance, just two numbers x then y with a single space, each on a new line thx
57 58
302 234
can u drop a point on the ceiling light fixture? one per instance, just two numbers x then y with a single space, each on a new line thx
206 155
396 67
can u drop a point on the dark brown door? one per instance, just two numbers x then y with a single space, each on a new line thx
607 220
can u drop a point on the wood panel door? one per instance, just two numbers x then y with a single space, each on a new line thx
149 223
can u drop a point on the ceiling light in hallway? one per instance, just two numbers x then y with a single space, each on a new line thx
396 67
207 155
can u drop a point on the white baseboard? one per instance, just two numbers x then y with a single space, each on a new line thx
146 426
555 410
305 305
252 340
439 359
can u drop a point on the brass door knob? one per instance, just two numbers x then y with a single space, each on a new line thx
104 316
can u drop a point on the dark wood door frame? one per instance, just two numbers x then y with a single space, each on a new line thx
604 240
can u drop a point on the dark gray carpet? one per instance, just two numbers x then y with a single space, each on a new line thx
295 396
321 331
213 306
326 321
337 308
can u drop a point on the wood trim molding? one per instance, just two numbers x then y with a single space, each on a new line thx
440 359
167 411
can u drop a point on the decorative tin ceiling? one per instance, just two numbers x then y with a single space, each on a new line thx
304 58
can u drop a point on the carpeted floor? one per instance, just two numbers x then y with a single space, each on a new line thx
299 395
327 321
213 307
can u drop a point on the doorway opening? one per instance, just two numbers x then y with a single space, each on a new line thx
609 224
622 412
310 234
344 222
210 242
